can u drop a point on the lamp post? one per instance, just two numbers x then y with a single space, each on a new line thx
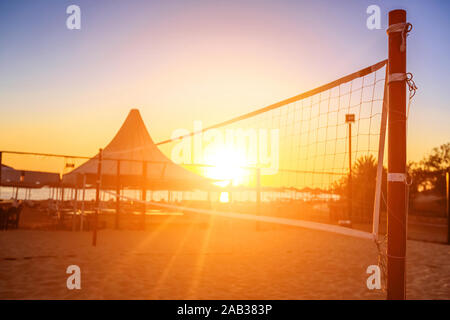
350 118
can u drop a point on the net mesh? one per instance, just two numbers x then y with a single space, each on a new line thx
301 145
292 157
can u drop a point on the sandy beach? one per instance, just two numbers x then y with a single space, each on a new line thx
223 260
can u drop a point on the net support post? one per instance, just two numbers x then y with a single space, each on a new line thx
258 196
75 203
62 194
83 197
144 192
97 197
447 179
396 197
117 195
1 166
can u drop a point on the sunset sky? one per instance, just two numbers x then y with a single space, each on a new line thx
68 91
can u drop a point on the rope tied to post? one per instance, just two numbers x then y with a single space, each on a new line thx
404 28
408 77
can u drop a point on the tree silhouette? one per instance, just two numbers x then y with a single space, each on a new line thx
428 175
364 174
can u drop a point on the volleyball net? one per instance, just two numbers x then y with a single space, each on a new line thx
314 160
318 155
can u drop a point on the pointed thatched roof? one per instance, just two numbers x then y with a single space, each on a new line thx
133 145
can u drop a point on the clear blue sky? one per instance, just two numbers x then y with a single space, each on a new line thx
180 61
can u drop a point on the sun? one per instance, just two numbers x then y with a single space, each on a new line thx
224 197
227 166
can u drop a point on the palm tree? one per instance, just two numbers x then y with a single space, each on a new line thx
364 173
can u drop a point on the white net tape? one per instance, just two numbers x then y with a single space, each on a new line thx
268 219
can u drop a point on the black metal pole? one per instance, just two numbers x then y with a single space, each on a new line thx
1 154
97 197
447 178
117 194
144 192
258 196
350 181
